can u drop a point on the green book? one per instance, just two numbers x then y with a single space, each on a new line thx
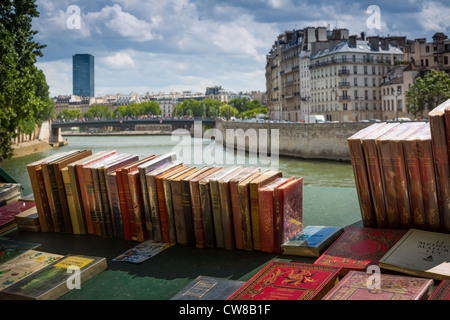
57 279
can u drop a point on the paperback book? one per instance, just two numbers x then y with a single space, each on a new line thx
208 288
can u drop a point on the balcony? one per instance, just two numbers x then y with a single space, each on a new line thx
344 84
345 98
343 72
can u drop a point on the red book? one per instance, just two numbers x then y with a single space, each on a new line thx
8 211
266 216
280 280
359 247
288 211
358 285
442 291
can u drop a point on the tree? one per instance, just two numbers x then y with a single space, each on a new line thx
19 103
69 114
427 93
99 112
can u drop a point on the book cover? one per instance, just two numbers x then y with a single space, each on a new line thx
137 206
436 119
288 211
24 265
226 210
265 178
423 142
178 208
27 217
246 219
393 174
52 281
85 195
208 288
142 252
357 285
10 192
312 241
441 292
359 247
280 280
236 205
420 253
197 210
374 173
10 249
266 214
212 183
360 174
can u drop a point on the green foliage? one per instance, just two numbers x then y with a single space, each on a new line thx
99 112
138 109
253 112
19 102
69 114
428 92
243 105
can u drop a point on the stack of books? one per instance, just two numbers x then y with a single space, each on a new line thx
158 198
402 173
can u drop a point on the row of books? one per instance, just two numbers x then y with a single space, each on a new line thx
158 198
357 263
28 273
401 172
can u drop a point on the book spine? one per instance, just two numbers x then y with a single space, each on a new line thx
154 208
40 196
63 205
136 199
146 202
109 230
207 218
187 209
197 215
362 183
414 184
97 215
57 217
244 201
389 182
292 210
113 194
49 194
236 211
401 185
429 191
85 198
376 185
162 211
79 215
169 210
216 213
441 163
278 219
254 213
266 225
123 206
178 213
71 202
129 205
227 216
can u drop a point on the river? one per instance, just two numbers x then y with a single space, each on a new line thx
194 152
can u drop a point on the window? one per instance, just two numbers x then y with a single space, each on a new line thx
365 69
445 60
355 81
427 49
355 69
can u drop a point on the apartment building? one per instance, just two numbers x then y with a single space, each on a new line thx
346 78
431 55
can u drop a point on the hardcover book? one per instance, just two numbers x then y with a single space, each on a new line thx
24 265
288 211
266 214
442 291
359 247
441 161
246 218
374 173
9 211
312 241
208 288
357 285
10 249
142 252
53 281
280 280
420 253
265 178
27 217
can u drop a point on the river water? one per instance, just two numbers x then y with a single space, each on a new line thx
193 152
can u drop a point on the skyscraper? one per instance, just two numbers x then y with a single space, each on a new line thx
83 75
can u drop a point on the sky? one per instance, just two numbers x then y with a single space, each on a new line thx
187 45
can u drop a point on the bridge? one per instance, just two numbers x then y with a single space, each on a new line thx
131 123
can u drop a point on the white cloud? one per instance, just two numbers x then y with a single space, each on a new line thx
58 75
434 17
119 60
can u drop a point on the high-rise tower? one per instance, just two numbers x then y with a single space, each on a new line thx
83 75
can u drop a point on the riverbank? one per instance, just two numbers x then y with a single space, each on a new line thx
121 133
30 147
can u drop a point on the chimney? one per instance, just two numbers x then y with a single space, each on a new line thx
374 43
352 41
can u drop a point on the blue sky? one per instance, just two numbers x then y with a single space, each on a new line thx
188 45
